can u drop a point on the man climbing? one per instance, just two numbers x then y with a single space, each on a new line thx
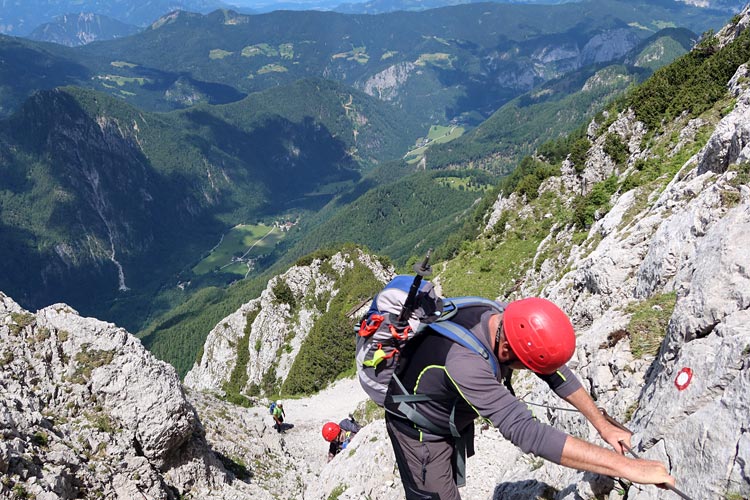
278 416
432 434
339 435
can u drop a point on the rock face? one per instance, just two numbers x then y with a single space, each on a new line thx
607 46
385 85
86 408
81 28
275 333
518 67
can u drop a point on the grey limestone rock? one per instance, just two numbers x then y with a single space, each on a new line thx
87 409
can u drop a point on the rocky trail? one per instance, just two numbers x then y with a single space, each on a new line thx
304 441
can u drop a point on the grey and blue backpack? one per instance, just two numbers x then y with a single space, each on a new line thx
381 336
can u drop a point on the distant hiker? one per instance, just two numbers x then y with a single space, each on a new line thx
432 434
339 435
277 411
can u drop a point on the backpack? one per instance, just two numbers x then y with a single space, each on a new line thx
272 408
381 338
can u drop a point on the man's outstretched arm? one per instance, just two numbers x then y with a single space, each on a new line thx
579 454
609 432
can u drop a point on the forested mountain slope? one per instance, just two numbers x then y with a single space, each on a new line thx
100 197
30 66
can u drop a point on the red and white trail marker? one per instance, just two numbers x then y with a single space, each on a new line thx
683 378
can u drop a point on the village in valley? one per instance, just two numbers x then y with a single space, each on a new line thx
238 250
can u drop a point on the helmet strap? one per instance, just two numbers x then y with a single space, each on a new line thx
497 338
498 344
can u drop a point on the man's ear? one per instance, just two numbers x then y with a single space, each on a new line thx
505 349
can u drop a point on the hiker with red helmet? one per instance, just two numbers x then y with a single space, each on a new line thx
339 435
440 387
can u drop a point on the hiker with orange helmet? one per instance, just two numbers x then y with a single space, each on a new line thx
441 386
339 435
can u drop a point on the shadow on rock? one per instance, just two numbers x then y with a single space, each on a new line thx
523 490
285 427
236 467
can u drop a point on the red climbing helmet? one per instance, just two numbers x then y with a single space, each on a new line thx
539 333
331 431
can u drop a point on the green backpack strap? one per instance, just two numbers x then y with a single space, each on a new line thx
460 442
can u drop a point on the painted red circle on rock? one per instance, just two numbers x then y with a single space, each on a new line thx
683 378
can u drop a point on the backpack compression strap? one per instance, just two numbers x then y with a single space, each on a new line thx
460 335
453 304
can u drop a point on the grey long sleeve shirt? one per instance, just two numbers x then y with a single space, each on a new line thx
432 364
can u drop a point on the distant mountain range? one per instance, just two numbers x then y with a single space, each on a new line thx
731 5
21 17
81 28
367 7
456 63
383 6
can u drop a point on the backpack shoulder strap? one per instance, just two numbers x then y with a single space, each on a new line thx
458 333
453 304
461 335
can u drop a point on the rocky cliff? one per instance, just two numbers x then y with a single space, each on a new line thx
269 331
81 28
87 412
520 67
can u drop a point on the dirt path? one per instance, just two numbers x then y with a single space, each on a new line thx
304 442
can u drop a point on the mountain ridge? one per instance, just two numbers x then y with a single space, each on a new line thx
455 54
23 17
80 29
